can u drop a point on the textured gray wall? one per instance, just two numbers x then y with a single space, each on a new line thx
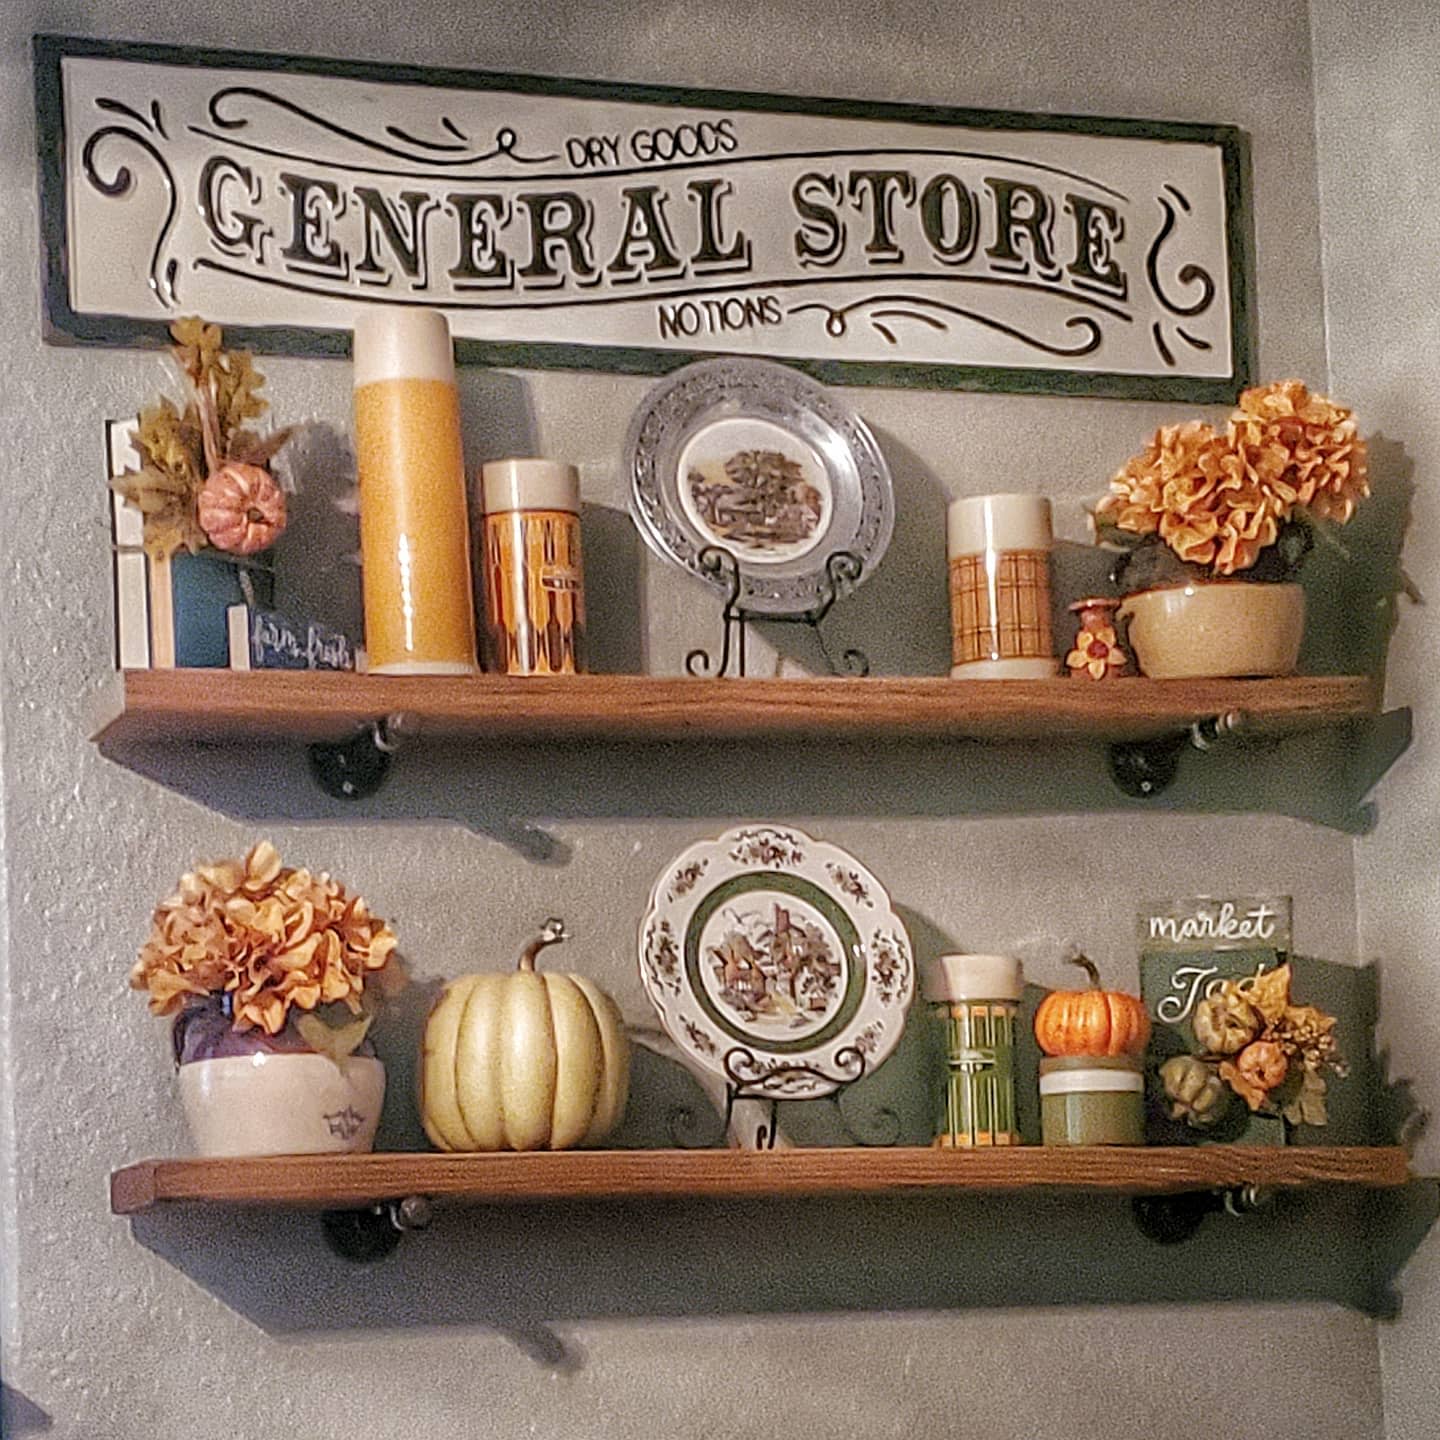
1379 172
920 1319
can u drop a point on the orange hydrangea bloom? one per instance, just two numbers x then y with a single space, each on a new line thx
1220 499
271 938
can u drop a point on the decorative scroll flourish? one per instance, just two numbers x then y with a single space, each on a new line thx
850 882
1187 275
431 152
162 280
698 1037
687 877
915 307
768 847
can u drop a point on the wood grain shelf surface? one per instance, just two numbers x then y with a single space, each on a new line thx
147 706
322 1182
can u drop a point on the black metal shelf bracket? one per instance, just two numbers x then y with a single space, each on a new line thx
1144 769
374 1232
355 769
1173 1219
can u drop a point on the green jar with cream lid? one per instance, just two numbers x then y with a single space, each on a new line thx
1092 1100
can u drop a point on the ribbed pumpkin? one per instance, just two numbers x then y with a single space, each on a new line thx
523 1061
1091 1022
241 508
1193 1091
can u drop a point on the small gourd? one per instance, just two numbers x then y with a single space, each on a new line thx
241 509
1091 1022
1194 1091
1263 1064
1226 1024
523 1061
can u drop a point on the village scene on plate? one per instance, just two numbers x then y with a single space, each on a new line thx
775 965
757 490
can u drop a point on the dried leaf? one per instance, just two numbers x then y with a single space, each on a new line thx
253 449
196 346
1308 1106
1302 1017
1269 993
336 1041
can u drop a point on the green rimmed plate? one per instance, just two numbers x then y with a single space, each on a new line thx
776 961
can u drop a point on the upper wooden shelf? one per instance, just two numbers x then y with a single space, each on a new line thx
222 705
322 1182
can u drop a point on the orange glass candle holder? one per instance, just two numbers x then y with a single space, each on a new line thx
534 581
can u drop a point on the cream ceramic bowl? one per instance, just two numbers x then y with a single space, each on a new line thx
282 1104
1220 628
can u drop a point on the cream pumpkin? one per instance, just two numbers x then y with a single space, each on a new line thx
523 1061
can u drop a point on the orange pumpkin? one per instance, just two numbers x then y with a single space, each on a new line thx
241 508
1091 1022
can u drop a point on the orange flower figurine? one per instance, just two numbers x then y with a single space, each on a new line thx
1097 651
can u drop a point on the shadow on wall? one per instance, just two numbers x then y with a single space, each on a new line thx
513 792
1352 586
523 1271
899 619
21 1416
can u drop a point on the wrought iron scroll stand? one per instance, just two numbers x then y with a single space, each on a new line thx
842 573
745 1079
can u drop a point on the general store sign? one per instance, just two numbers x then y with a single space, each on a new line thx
564 223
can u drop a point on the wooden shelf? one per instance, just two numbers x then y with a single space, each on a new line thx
321 1182
148 706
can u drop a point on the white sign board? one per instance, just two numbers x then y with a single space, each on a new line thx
603 226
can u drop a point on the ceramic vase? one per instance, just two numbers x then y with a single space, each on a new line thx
248 1093
1213 629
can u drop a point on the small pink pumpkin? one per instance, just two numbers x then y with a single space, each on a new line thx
241 508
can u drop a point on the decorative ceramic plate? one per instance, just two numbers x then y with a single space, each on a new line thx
776 961
761 461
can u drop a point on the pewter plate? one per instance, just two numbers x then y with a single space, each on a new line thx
776 961
762 461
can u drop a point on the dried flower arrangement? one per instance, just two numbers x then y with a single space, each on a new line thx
1201 504
272 943
204 478
1270 1052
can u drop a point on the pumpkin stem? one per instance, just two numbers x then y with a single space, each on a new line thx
552 932
1088 966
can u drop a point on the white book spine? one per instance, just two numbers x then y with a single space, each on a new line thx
131 588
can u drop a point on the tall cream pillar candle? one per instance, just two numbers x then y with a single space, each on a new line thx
414 530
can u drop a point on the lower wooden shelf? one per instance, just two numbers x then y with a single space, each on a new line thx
327 1182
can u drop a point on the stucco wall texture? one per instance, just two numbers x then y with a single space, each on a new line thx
864 1319
1379 167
